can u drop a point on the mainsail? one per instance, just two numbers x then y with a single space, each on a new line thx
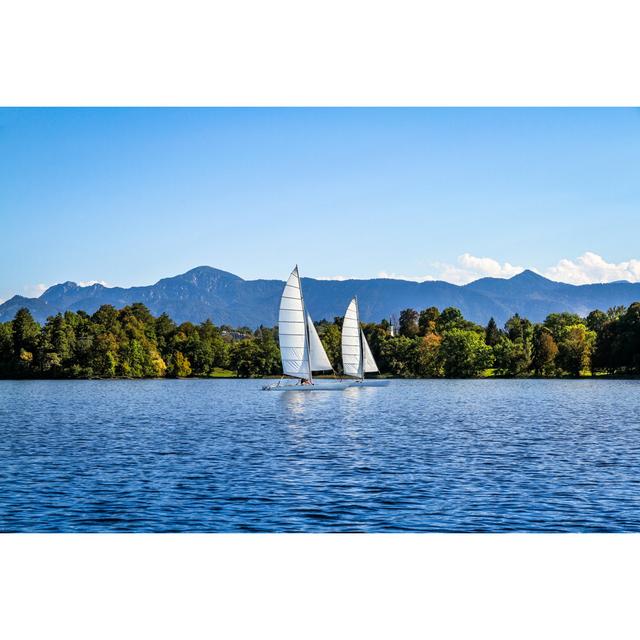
351 343
357 358
300 347
294 344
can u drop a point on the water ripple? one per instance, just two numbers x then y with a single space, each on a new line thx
221 455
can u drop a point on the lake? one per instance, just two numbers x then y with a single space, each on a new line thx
224 456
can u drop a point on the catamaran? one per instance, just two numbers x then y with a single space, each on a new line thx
357 358
302 352
300 347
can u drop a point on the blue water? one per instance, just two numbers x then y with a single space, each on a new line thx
222 455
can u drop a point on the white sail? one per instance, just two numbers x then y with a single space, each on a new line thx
369 364
317 355
351 343
294 346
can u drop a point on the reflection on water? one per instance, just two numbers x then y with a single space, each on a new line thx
294 402
222 455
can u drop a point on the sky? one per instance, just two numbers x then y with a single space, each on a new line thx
129 196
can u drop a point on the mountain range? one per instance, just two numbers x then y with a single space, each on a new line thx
205 292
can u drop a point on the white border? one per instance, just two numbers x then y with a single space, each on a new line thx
286 52
318 586
346 52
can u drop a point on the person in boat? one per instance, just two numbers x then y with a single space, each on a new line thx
304 381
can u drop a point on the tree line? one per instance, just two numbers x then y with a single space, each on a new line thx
132 343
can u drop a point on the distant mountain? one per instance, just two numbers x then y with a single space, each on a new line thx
205 292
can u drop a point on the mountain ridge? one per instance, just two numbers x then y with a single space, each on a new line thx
206 292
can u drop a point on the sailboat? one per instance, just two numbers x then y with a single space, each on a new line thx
300 347
357 358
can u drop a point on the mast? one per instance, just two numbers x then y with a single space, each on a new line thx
306 328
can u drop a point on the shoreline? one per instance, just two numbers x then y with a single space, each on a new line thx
124 378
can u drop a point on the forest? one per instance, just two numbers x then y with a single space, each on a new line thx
132 343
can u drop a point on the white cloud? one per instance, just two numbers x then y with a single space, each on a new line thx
590 267
35 290
397 276
488 266
89 283
470 268
339 278
467 269
586 269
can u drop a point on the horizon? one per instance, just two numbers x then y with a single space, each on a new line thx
40 289
84 284
124 196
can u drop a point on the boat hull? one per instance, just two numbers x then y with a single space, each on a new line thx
316 386
328 385
370 383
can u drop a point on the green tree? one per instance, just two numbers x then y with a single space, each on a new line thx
518 328
492 334
132 342
465 353
596 320
104 359
143 315
132 359
165 329
138 355
429 360
25 332
58 340
409 323
450 318
397 356
544 351
520 332
616 312
376 335
199 353
556 322
331 338
6 349
107 318
504 356
427 321
179 365
605 355
26 341
245 358
574 348
269 357
83 331
624 341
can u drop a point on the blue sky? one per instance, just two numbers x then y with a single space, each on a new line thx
128 196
